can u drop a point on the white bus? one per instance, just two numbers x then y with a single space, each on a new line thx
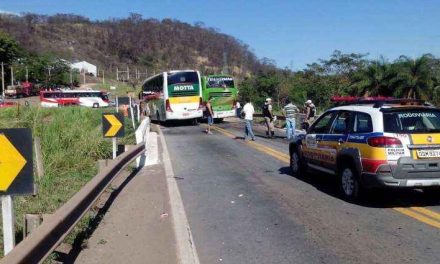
173 95
88 98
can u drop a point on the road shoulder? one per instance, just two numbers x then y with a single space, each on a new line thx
136 227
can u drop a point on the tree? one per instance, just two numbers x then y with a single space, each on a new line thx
9 48
375 80
414 78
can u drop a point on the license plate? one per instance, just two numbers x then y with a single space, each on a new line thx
428 153
185 114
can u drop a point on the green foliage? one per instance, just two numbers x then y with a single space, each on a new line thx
374 80
414 77
71 142
45 68
9 48
346 74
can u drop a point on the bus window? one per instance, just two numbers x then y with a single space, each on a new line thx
220 82
182 77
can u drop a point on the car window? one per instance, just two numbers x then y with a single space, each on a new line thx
342 123
322 126
362 123
412 121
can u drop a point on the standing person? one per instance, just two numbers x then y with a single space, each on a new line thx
268 118
289 112
248 111
238 109
209 114
310 112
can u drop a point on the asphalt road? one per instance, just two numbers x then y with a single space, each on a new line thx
244 207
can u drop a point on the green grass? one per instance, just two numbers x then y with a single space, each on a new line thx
71 142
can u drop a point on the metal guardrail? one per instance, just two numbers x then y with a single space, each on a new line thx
44 240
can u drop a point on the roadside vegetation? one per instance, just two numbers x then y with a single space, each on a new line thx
71 143
44 68
121 88
73 37
346 75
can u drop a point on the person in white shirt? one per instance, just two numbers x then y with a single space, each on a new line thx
248 111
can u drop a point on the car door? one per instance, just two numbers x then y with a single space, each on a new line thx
313 147
336 139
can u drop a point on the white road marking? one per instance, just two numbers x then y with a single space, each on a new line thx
186 249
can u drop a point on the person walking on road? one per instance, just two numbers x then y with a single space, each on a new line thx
210 115
248 111
310 112
268 117
289 112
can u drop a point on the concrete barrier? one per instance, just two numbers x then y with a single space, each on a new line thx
142 135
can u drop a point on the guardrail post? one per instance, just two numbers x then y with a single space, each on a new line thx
102 164
31 222
8 223
38 157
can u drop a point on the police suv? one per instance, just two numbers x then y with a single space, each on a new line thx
373 143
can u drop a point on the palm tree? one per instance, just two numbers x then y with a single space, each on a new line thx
415 78
374 80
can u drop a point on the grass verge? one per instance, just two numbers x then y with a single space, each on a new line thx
71 143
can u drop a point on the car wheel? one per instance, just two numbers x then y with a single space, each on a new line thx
295 163
350 183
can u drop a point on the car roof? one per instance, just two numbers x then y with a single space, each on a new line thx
358 108
372 109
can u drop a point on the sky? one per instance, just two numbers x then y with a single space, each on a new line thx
293 33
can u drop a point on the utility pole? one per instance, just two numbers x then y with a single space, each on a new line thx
12 75
3 81
27 74
103 76
128 73
71 77
117 74
84 76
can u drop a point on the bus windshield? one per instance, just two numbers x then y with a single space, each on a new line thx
183 84
220 82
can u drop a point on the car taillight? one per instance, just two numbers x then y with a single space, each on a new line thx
201 104
384 142
168 106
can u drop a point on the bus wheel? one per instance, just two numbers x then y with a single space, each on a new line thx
95 105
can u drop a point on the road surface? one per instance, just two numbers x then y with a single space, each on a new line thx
243 206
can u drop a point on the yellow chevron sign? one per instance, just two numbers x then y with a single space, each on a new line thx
11 163
113 125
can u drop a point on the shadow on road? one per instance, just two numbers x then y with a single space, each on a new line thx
176 123
374 198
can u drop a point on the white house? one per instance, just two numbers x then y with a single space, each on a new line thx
84 66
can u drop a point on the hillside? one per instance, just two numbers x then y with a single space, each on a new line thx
134 41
